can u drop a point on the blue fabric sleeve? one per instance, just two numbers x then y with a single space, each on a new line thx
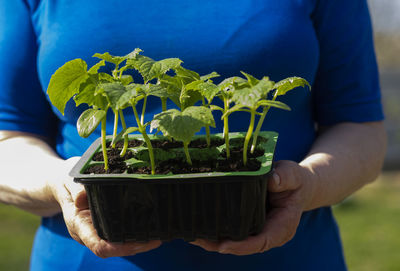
23 104
346 87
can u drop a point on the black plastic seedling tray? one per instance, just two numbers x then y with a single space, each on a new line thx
215 206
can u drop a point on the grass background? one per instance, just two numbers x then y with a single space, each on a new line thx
369 222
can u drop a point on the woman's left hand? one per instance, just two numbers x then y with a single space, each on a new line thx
290 192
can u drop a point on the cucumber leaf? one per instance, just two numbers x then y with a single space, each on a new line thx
276 104
131 94
285 85
232 83
149 68
251 95
250 79
126 79
209 76
95 68
66 81
182 126
89 120
113 92
186 75
110 58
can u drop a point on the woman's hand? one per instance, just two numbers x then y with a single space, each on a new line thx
74 205
290 190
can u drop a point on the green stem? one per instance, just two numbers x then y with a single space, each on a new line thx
226 129
143 110
115 128
146 138
164 104
248 135
124 149
260 123
186 149
208 136
104 143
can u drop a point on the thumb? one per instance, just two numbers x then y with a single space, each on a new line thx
76 190
284 177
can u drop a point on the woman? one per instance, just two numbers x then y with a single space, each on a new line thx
331 143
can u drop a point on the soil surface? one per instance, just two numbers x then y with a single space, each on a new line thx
177 166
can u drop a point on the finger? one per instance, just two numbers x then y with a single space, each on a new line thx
273 234
207 244
80 227
78 194
76 190
285 176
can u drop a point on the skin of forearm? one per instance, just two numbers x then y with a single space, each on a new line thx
344 158
27 166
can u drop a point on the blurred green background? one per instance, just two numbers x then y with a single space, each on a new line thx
369 220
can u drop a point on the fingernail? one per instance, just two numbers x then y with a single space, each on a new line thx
276 178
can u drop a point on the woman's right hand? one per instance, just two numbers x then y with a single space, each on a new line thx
72 199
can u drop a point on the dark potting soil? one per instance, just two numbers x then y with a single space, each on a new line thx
182 167
177 166
113 156
132 143
197 143
237 153
113 168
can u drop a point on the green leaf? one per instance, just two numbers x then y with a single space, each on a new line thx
209 76
290 83
113 92
95 68
150 69
65 82
105 77
232 83
250 79
110 58
136 163
129 96
126 79
250 96
174 86
189 98
207 89
89 120
134 53
186 75
276 104
183 125
158 91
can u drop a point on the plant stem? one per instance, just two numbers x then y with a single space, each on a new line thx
115 128
143 110
208 136
123 152
226 129
146 138
260 123
248 135
186 149
163 104
104 143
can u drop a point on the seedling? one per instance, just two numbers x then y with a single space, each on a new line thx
192 94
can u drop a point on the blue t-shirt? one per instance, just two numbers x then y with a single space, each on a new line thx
327 42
